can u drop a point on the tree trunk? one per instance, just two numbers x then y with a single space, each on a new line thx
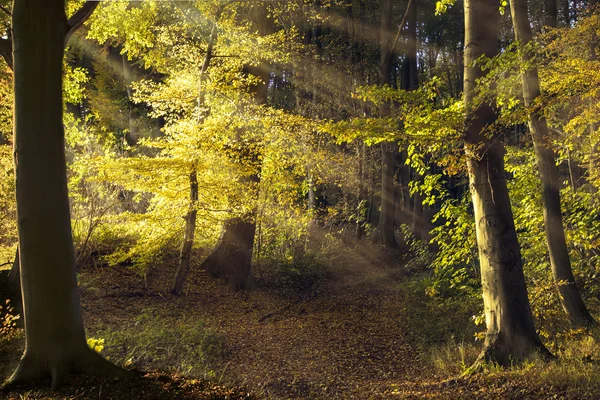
418 220
129 76
550 13
410 81
14 286
231 259
570 297
312 196
188 237
386 218
510 335
55 343
361 209
190 218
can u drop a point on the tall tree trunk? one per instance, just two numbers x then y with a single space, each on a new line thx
188 236
388 150
570 298
231 259
410 81
55 343
190 218
510 335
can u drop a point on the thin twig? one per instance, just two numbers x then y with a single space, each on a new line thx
395 43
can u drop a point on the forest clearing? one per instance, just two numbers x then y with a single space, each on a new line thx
299 199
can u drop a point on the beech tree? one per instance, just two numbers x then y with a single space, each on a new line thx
511 335
55 343
560 262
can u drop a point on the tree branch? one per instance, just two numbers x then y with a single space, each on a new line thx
6 51
401 26
80 17
5 10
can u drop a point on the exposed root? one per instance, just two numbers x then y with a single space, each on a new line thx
34 368
501 354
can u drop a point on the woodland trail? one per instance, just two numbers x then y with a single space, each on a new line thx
339 339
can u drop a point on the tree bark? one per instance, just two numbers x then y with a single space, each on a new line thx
570 297
55 343
410 81
361 209
510 336
231 259
14 286
188 237
386 217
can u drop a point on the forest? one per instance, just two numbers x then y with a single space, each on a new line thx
299 199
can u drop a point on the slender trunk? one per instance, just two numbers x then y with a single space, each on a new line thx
570 297
129 77
410 81
188 237
312 196
510 335
418 220
388 150
190 218
386 217
361 211
55 343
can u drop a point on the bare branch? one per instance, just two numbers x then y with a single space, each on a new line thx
80 17
401 26
5 10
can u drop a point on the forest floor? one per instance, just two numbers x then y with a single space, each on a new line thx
344 336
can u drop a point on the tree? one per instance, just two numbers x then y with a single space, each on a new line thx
55 343
510 335
190 218
231 259
388 150
560 263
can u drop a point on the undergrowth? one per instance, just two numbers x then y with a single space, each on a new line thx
187 348
442 329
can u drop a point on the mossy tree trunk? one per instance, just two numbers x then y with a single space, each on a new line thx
510 335
55 343
560 263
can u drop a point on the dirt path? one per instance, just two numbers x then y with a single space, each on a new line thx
339 339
